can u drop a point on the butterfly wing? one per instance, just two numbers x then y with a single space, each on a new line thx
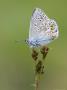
38 24
42 29
51 34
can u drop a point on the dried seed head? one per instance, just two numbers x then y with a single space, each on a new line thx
42 71
39 66
44 51
35 58
34 54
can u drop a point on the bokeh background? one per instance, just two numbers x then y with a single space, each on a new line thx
16 64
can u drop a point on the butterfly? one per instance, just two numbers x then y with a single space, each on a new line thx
43 30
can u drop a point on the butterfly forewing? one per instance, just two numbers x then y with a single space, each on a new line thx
38 23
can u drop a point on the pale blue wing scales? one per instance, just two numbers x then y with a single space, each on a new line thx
51 34
38 23
42 29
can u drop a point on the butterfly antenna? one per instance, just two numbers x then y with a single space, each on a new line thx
20 41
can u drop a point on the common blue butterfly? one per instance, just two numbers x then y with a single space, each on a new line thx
43 30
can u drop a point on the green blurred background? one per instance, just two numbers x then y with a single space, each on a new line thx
16 64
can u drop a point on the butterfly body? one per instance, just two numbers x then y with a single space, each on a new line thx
38 42
43 30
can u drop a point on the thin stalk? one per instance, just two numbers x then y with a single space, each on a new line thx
39 64
37 82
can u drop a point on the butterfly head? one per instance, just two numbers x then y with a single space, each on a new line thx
27 41
30 43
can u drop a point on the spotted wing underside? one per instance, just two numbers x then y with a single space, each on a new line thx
38 24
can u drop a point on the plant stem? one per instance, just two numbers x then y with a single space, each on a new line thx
37 81
39 64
